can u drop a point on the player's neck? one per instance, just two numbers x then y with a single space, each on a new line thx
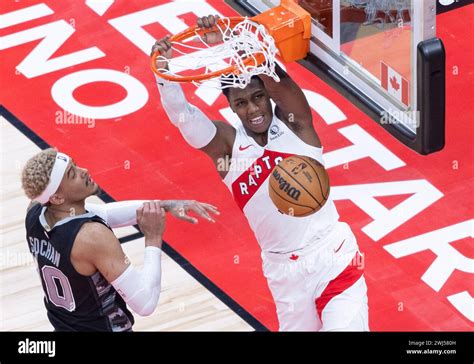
57 213
260 138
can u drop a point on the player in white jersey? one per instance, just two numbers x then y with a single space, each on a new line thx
312 264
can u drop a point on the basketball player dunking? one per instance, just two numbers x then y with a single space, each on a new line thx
312 264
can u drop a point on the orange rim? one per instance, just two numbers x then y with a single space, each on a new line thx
188 33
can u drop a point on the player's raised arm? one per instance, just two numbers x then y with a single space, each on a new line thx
292 106
215 138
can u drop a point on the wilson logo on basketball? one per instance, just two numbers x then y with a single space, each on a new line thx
286 187
299 186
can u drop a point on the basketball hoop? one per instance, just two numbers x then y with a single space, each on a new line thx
249 47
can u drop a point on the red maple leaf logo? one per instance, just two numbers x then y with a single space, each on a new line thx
393 82
294 257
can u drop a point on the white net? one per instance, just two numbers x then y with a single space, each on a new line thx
248 41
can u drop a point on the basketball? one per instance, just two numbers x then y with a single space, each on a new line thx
299 186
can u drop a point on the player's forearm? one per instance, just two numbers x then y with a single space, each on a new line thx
169 205
141 289
281 72
271 84
173 100
195 127
287 95
278 90
123 213
117 214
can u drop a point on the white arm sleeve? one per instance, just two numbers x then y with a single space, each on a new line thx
117 214
195 127
141 290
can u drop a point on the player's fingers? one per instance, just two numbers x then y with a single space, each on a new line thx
164 44
158 48
168 43
154 49
208 204
146 208
200 24
152 207
205 21
201 212
186 217
158 207
139 213
210 208
159 42
212 20
211 37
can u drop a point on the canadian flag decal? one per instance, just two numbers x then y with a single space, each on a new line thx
395 84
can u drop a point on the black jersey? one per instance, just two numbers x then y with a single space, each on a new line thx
74 302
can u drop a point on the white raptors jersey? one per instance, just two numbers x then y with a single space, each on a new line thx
247 179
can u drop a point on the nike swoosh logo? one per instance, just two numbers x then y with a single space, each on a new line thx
340 246
241 148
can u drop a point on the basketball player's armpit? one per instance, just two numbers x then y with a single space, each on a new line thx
141 290
196 128
221 145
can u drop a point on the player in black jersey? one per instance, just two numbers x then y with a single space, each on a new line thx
80 261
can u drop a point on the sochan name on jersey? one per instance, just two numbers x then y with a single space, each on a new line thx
285 186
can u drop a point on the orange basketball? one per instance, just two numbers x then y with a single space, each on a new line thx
299 186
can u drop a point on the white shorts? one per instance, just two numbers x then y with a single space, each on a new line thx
320 287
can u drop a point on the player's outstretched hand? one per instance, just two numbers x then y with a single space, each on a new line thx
181 208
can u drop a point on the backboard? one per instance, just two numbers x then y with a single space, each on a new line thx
384 53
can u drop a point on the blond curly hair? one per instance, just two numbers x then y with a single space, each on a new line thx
37 172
